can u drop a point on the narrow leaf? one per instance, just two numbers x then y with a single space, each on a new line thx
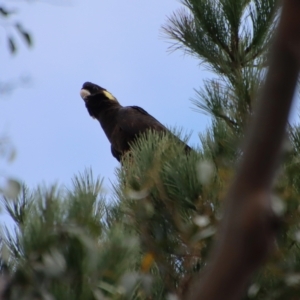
26 36
4 12
12 45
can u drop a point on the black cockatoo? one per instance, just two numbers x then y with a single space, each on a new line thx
122 125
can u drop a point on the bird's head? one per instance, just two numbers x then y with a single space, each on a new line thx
95 97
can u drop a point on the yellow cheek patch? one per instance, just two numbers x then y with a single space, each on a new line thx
109 95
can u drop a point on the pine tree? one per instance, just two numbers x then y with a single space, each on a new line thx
155 234
231 38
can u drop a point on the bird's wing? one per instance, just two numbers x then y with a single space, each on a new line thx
135 120
117 154
158 126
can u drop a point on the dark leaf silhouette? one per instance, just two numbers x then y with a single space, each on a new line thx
25 35
12 45
4 12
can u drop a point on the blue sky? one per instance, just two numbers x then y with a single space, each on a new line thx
116 44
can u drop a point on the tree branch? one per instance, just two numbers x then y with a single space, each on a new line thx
247 233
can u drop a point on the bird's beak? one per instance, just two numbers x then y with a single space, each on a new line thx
84 94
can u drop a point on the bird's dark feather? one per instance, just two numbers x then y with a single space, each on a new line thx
135 120
116 154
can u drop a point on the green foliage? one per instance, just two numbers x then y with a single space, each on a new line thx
10 187
62 247
223 33
155 234
162 203
5 16
68 243
230 38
